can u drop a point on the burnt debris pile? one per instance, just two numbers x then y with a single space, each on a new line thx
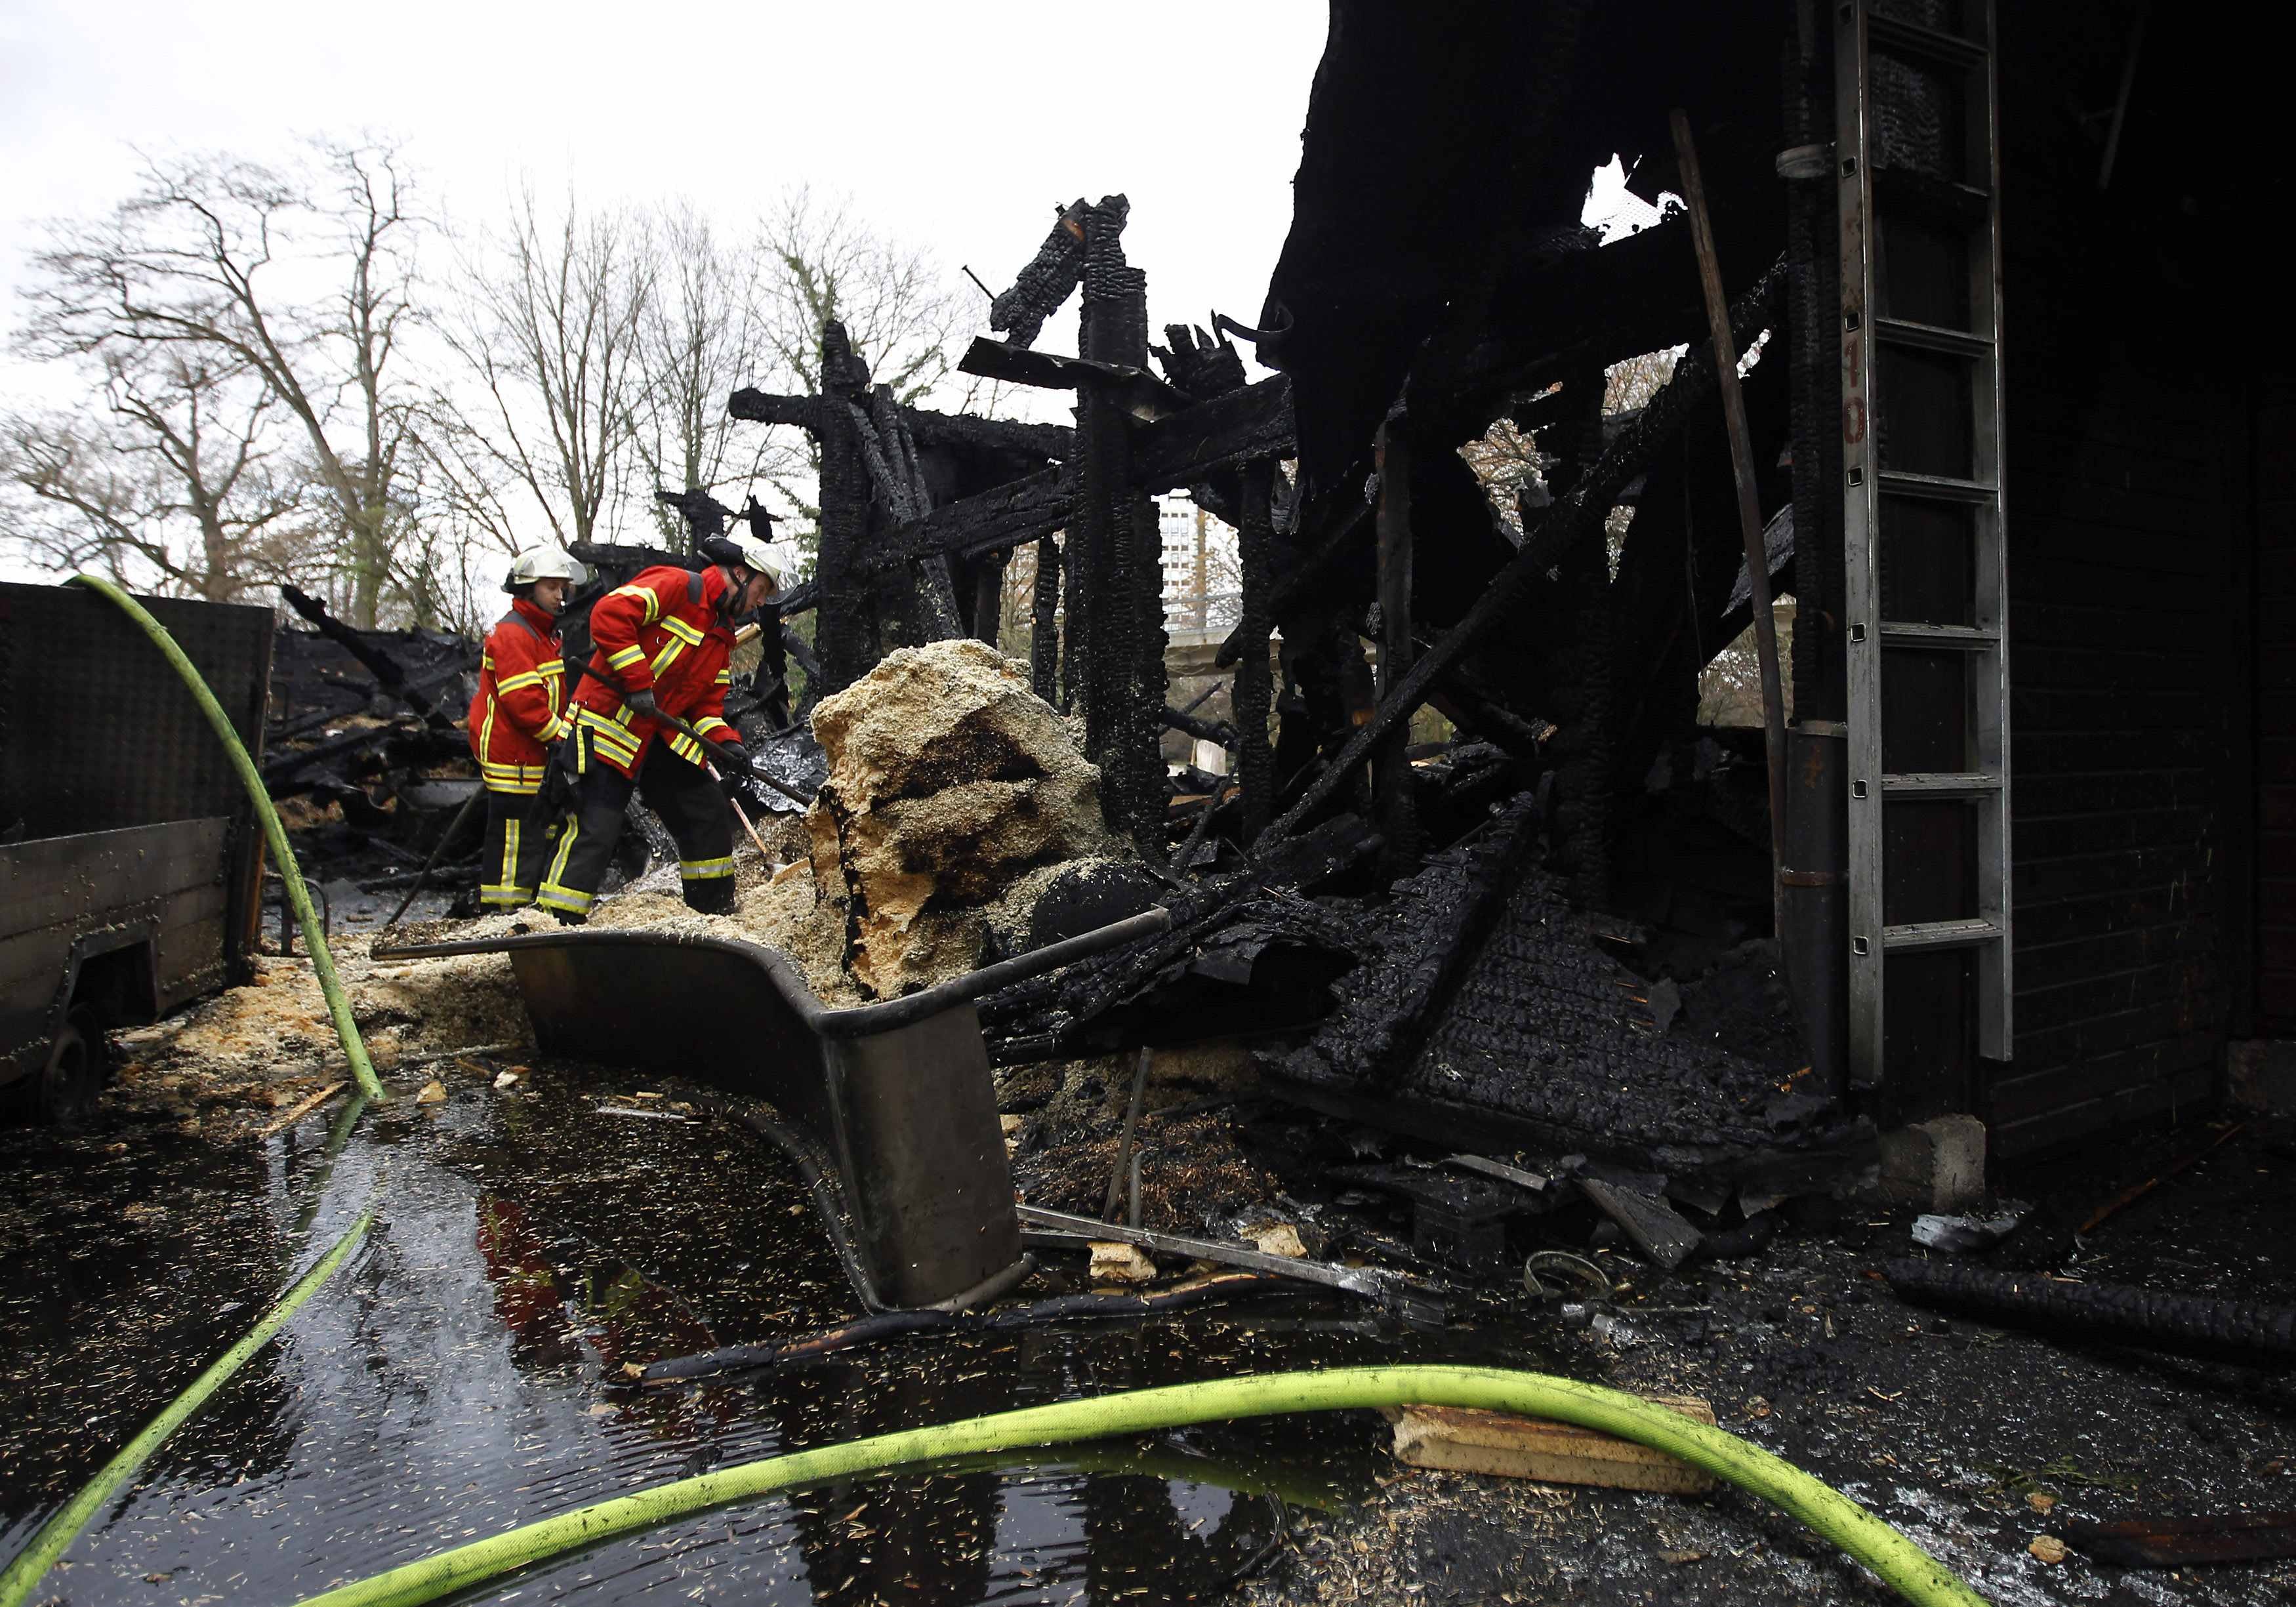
1456 854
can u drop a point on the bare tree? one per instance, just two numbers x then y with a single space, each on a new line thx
701 338
176 484
907 318
221 262
548 335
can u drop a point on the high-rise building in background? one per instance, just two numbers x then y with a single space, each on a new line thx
1202 572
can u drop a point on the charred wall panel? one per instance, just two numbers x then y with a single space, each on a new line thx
2274 713
2127 492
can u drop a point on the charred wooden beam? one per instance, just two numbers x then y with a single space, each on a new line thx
1203 730
1117 592
1043 620
1210 439
997 520
1398 818
926 427
388 672
935 606
1144 395
1577 517
1198 364
1037 290
1251 699
1216 437
845 632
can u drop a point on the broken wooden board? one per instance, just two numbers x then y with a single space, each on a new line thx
1460 1439
2186 1542
1653 1225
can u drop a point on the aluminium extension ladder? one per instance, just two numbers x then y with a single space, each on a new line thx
1918 173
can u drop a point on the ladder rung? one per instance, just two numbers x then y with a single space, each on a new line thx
1912 39
1965 638
1938 934
1940 783
1933 337
1947 202
1934 487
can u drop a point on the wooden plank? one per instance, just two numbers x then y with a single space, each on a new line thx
1655 1228
1464 1440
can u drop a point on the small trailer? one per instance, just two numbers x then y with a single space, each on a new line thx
129 856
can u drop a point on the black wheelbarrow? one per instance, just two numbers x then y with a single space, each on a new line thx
889 1108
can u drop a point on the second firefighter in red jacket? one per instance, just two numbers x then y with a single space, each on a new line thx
519 712
664 646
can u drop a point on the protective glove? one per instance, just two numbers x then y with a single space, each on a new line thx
734 756
558 778
642 704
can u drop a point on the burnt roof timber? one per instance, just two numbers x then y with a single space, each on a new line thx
1194 445
1143 393
926 427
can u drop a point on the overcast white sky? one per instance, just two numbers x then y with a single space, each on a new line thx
957 126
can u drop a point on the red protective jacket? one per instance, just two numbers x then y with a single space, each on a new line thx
521 694
663 630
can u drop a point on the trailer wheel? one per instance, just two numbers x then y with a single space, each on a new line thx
73 1079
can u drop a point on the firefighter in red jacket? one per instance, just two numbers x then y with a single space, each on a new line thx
519 712
664 646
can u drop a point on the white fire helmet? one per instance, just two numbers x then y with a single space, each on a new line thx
543 563
756 556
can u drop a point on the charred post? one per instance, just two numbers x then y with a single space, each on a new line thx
1255 760
1391 769
1045 622
1119 587
845 630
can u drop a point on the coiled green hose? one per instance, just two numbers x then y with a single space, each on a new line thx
1901 1564
60 1530
338 1003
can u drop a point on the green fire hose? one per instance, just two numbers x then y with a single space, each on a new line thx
338 1003
59 1531
1901 1564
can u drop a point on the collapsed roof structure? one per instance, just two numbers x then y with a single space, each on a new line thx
2058 943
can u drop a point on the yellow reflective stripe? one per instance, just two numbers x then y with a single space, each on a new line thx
652 603
532 678
501 777
554 893
685 748
683 631
704 870
711 723
725 675
505 897
626 657
667 656
612 733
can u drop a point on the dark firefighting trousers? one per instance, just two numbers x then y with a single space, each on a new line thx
517 851
689 804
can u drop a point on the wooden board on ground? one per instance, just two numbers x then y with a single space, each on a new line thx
1462 1440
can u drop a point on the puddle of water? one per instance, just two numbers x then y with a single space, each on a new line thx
466 1374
